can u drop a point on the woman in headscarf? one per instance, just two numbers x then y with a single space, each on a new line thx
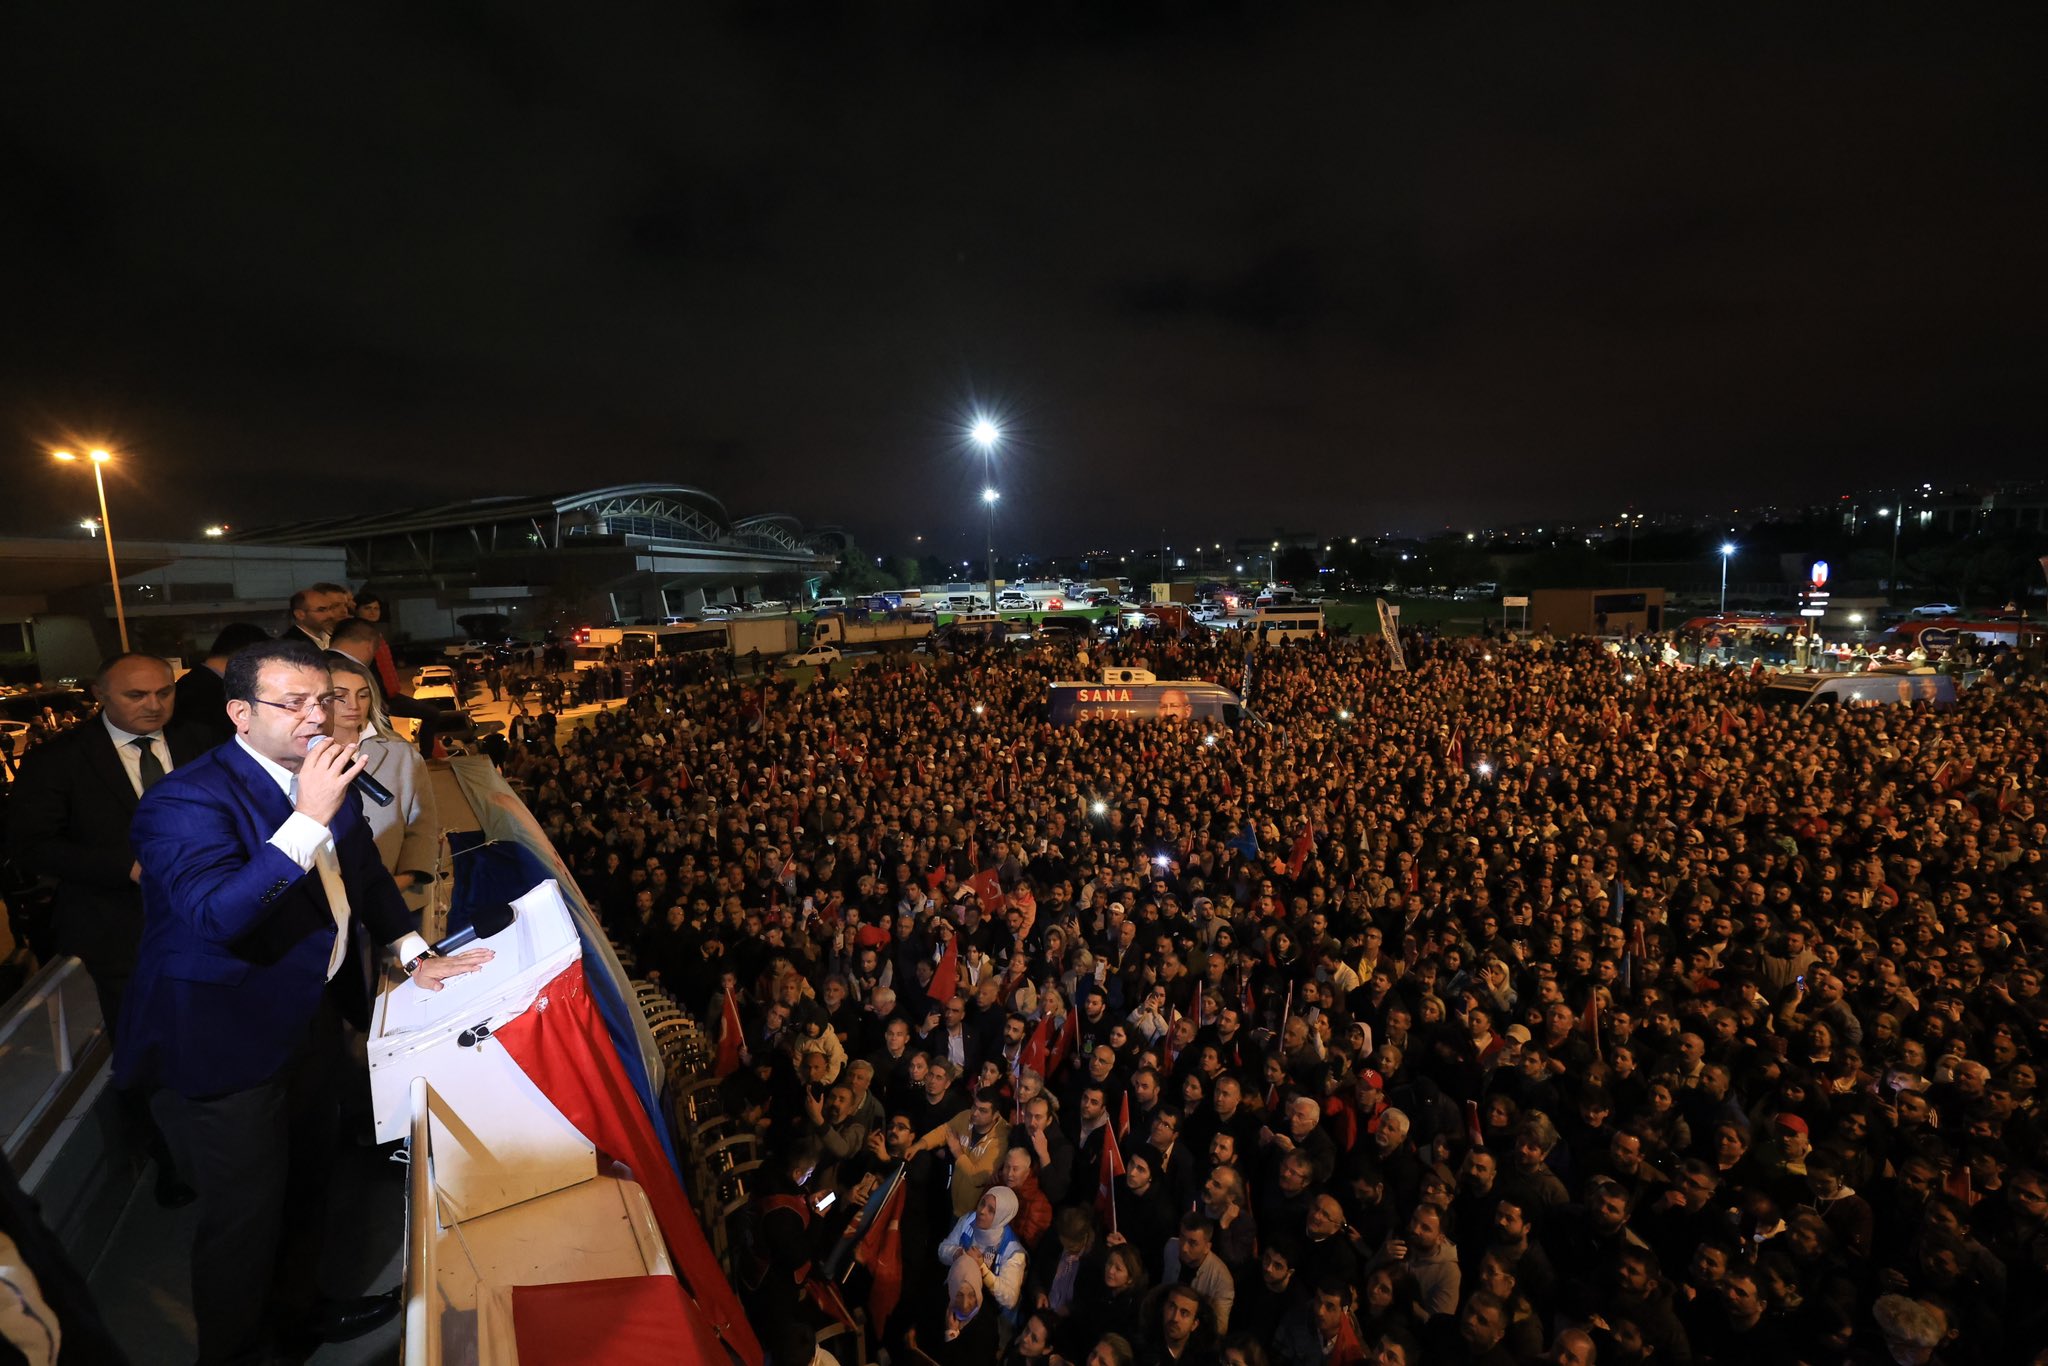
983 1240
964 1330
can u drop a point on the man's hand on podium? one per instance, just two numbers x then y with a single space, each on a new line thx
432 972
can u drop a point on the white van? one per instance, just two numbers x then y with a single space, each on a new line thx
828 604
1276 624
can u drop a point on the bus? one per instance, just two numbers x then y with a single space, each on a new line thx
597 646
1276 624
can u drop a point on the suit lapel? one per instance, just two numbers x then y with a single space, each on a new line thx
272 809
105 762
272 806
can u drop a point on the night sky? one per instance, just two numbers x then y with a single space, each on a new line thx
1220 268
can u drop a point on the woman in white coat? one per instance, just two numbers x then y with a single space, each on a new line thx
408 832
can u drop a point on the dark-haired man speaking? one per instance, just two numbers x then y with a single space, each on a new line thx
254 857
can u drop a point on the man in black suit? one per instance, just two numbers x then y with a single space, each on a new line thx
70 810
316 611
202 701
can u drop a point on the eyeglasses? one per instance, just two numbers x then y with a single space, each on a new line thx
300 706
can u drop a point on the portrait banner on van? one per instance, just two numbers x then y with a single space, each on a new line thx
1393 635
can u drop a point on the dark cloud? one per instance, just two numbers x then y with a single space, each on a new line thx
1301 263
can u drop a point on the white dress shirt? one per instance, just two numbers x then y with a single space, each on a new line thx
309 844
131 758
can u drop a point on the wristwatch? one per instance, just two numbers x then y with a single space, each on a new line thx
418 959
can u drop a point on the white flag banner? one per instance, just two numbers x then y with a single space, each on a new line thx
1393 635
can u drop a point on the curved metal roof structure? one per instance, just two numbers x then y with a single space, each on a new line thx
678 513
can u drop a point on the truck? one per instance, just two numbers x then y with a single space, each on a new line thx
1143 698
598 646
774 637
896 631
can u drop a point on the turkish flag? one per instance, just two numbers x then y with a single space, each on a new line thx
1035 1050
1304 845
561 1044
987 889
1589 1021
946 980
730 1032
1105 1185
880 1250
1123 1117
626 1321
1063 1043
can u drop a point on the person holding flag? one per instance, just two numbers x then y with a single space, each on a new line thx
732 1048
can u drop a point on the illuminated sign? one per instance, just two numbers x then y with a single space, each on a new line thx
1819 574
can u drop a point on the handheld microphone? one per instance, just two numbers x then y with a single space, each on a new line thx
363 782
488 921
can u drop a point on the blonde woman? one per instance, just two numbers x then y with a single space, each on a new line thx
407 832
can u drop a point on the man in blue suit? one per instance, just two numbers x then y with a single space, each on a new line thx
254 858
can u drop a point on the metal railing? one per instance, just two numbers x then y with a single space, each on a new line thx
422 1330
53 1044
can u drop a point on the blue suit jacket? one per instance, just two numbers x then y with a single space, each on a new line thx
235 938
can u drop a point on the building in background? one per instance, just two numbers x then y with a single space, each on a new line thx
634 554
57 608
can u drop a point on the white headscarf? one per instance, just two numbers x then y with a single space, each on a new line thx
965 1275
989 1239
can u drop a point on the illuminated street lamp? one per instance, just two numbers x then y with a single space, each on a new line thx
1891 586
986 434
99 458
1727 550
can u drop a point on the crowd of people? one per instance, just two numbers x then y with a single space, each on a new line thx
1530 1002
1526 1004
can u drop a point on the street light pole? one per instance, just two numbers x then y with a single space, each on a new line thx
986 434
99 458
1726 550
1891 584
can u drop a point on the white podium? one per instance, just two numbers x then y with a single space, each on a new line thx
505 1191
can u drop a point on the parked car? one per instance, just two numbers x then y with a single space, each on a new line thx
1938 609
1014 602
814 658
13 737
435 683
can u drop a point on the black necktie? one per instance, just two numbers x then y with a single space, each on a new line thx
149 766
